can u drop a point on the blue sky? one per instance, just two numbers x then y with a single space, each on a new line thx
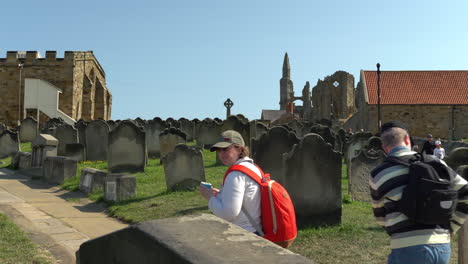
185 58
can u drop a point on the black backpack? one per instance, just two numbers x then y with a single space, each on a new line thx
430 197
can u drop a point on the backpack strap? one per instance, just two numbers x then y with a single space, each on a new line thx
404 160
246 171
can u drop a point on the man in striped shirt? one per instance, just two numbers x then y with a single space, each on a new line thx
411 242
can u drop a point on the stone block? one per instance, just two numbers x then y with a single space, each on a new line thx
119 187
92 179
58 169
202 238
24 161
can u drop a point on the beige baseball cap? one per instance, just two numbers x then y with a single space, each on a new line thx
228 138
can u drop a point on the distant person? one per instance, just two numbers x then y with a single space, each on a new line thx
411 242
349 132
239 192
428 147
439 151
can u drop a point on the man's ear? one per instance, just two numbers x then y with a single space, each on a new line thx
407 140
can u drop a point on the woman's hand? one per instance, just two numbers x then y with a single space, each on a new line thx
206 192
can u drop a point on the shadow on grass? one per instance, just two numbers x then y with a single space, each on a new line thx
191 210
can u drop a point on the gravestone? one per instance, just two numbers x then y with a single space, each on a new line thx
152 130
187 127
457 157
127 149
183 168
169 138
92 179
268 151
28 129
97 137
325 132
208 133
9 144
57 169
112 124
356 143
171 122
24 160
119 187
374 143
296 126
81 127
141 122
75 151
43 146
313 180
65 134
359 173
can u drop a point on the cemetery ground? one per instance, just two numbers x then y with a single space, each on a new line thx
358 239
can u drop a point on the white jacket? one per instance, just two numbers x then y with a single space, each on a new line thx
238 190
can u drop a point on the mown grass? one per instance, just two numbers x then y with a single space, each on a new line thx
15 246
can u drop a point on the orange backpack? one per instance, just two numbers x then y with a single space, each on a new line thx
278 216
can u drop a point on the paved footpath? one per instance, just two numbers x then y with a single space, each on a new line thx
58 220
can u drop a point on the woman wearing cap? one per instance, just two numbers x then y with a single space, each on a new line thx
239 193
439 151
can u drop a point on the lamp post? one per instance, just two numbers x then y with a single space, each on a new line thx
379 117
20 68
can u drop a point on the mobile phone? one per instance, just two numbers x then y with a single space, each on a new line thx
206 184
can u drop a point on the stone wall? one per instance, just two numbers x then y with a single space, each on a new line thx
78 74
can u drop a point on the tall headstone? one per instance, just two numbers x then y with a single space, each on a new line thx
208 133
325 132
65 134
359 172
9 144
81 127
169 138
356 143
97 135
268 151
127 148
28 129
183 168
187 127
152 130
313 180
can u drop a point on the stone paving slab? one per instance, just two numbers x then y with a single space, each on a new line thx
40 208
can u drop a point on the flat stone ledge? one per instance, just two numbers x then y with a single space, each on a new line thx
190 239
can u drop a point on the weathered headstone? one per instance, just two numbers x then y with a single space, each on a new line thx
24 160
374 143
43 146
457 157
81 127
141 122
92 179
187 127
169 138
152 130
268 151
356 143
171 122
127 148
65 134
28 129
208 133
75 151
183 168
97 135
57 169
325 132
359 172
313 180
9 144
119 187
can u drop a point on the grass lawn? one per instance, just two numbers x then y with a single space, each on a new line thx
15 247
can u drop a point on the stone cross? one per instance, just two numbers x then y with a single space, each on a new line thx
228 104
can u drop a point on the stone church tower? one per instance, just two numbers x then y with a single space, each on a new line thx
286 86
78 75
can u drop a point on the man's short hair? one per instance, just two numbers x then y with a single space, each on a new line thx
393 133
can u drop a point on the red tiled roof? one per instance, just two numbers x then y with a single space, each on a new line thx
418 87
